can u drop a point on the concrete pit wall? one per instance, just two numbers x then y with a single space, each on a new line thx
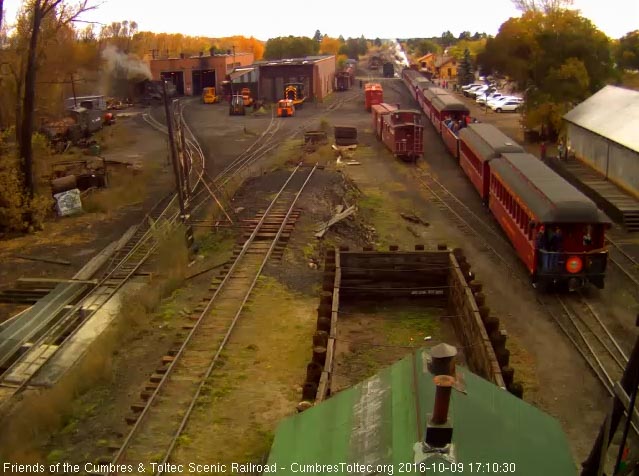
441 278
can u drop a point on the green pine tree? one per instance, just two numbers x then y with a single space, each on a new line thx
465 73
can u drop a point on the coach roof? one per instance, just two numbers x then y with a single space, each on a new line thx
551 198
446 102
488 142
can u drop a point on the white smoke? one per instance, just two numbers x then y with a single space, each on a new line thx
124 65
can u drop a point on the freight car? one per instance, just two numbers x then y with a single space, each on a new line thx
344 78
557 232
373 94
401 131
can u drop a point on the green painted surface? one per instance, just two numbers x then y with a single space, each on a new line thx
377 423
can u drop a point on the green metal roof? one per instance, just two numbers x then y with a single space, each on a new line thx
379 421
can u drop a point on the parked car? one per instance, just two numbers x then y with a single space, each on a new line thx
480 91
470 90
468 86
483 99
509 105
502 99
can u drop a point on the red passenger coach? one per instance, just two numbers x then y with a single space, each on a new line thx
426 97
403 133
446 106
373 94
478 145
556 230
380 110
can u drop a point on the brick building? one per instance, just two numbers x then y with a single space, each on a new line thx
191 74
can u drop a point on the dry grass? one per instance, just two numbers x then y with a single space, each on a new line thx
525 368
43 411
127 187
259 381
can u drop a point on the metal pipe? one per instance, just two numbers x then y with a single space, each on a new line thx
444 385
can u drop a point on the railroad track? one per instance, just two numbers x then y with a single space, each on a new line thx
574 314
124 264
626 263
164 414
469 222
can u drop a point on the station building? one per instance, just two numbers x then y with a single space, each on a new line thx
191 74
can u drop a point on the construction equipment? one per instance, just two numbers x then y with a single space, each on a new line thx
237 106
295 92
285 108
246 94
209 97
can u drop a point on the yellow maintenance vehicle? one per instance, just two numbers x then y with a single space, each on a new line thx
285 108
295 92
209 97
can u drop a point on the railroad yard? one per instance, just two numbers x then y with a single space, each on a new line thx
207 371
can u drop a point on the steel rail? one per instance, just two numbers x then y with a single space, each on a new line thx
195 327
189 411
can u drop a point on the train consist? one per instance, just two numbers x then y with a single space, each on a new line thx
557 232
400 130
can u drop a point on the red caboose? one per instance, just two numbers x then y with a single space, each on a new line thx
403 133
556 230
373 94
479 144
425 97
379 110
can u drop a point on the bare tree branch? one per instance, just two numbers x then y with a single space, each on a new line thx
541 6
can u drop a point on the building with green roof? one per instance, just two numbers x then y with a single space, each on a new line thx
378 427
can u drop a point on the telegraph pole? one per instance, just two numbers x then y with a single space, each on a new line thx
174 157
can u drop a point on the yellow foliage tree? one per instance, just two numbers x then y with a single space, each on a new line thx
330 46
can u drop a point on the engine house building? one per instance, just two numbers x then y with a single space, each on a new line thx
316 73
191 74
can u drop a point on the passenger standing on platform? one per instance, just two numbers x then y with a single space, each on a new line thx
541 247
556 246
543 150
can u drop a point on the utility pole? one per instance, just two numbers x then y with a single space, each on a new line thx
75 101
174 157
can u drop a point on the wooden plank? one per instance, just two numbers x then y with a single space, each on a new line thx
50 283
44 259
340 216
322 388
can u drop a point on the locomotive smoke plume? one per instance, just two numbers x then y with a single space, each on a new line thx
120 70
131 66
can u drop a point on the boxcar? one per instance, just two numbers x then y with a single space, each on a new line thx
379 110
534 205
403 133
479 144
373 94
446 106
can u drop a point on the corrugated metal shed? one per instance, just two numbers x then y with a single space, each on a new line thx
613 113
550 197
378 422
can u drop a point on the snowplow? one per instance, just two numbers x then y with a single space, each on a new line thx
285 108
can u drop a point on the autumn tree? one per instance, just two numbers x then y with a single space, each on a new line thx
557 58
426 46
541 6
40 11
627 51
290 47
330 46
